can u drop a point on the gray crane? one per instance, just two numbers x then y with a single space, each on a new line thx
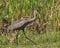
21 24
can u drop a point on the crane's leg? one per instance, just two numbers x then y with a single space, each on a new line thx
17 36
28 38
16 39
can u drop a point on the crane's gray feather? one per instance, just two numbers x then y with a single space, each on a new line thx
21 24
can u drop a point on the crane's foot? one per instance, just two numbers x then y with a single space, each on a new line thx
31 41
16 41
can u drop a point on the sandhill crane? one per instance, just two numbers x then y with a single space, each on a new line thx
21 24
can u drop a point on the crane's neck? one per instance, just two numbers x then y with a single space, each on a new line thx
34 18
35 14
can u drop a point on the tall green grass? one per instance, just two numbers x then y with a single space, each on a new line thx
13 10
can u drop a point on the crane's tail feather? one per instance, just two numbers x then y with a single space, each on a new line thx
8 31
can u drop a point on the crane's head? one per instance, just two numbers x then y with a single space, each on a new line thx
36 10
